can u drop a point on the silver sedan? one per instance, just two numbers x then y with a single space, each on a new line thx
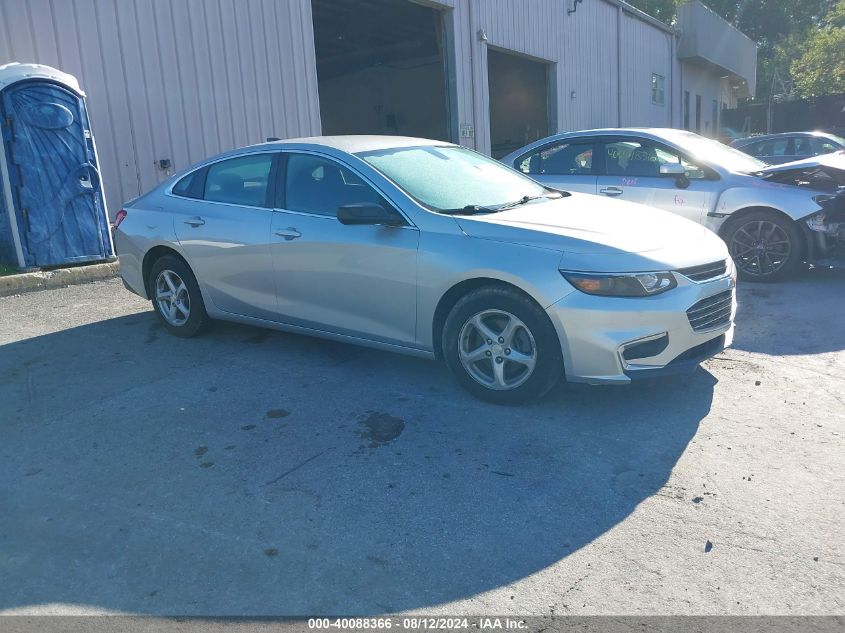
431 249
772 218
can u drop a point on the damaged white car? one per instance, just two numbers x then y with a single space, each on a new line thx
773 218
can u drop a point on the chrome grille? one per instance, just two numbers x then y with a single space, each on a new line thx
705 271
711 313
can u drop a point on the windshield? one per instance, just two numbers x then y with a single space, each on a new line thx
452 178
837 139
714 152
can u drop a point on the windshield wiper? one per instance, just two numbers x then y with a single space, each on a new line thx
527 199
475 209
470 209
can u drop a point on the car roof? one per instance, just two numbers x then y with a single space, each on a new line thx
353 143
653 133
773 137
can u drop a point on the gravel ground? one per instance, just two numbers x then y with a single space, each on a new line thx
254 472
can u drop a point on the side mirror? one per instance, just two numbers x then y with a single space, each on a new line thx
672 169
678 171
366 213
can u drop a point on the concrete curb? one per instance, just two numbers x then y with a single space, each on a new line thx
59 278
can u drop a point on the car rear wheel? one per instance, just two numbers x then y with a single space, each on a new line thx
501 346
176 297
764 246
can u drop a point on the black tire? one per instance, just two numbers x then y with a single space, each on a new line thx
765 246
197 319
497 304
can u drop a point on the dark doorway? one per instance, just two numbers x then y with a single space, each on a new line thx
519 101
381 68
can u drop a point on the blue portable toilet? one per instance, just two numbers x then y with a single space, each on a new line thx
53 207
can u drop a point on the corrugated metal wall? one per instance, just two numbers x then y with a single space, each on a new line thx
173 79
583 52
185 79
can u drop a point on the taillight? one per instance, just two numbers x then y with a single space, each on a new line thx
120 217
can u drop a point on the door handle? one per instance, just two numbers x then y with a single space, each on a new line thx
289 233
195 221
611 191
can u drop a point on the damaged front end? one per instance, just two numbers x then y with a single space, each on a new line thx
825 229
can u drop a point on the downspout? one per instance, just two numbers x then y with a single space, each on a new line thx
679 34
471 20
672 79
619 65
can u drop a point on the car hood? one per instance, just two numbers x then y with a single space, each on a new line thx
834 160
821 173
598 228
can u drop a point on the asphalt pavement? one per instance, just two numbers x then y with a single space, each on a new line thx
250 472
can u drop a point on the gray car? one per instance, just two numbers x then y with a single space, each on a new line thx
788 147
773 217
430 249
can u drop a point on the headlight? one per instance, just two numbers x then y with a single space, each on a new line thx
616 285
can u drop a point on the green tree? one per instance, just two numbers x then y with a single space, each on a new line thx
820 69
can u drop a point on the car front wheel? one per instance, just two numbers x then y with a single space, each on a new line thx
501 346
764 246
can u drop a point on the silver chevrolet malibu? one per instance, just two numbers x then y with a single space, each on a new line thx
431 249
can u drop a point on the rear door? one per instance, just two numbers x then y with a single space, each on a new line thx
566 164
222 215
630 170
353 280
53 175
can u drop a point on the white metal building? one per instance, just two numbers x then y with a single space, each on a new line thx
170 82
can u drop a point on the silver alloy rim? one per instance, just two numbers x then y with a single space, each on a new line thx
497 350
760 248
172 298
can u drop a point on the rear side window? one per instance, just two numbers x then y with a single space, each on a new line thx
320 186
187 186
570 159
241 180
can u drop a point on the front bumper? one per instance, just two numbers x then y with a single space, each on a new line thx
595 333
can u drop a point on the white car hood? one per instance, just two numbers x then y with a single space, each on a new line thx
596 230
835 160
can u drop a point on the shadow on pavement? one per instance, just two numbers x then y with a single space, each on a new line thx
253 472
802 315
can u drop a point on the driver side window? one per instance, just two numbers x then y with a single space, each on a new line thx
318 185
637 158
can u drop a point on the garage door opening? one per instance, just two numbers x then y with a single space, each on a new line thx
381 68
519 101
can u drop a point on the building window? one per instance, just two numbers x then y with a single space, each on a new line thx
716 129
686 109
658 89
698 114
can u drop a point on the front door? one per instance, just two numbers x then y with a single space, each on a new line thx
222 215
353 280
53 175
631 171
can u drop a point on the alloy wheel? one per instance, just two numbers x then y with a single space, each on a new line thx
497 350
172 298
760 248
